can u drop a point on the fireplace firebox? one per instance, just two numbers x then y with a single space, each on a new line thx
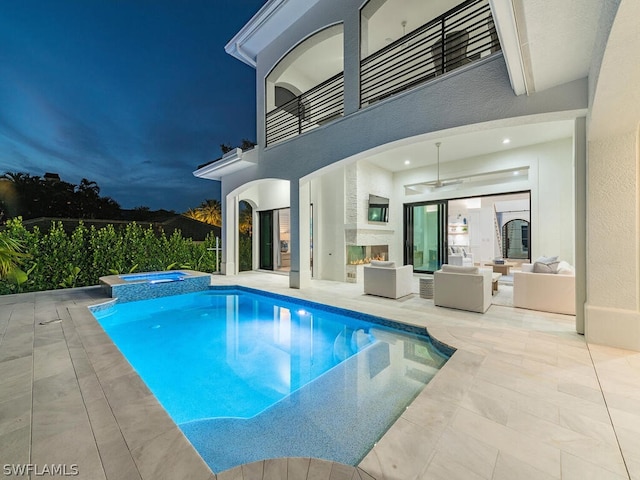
363 254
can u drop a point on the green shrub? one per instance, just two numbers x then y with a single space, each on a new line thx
245 253
59 260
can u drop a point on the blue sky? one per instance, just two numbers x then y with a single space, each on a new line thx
132 94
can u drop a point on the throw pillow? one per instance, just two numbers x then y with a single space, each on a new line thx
545 267
564 268
380 263
544 259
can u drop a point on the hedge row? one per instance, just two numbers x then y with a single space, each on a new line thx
60 260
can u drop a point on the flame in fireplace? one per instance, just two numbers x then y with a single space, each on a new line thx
367 260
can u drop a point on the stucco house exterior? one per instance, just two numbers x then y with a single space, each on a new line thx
451 116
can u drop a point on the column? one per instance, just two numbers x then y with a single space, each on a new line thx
228 265
300 200
612 314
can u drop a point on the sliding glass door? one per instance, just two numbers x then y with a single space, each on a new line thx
274 240
425 235
266 240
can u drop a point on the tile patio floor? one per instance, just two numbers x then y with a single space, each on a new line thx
524 397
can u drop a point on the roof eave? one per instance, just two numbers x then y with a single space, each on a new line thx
230 162
235 46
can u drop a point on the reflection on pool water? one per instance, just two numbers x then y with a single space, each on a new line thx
248 375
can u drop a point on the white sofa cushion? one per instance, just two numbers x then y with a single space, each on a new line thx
459 269
564 268
527 267
383 263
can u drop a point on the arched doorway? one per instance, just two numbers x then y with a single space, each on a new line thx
516 237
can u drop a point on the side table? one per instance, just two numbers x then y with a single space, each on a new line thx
426 287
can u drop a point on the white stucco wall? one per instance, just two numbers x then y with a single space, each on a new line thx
612 309
340 198
553 230
613 233
327 195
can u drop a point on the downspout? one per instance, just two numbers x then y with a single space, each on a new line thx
246 58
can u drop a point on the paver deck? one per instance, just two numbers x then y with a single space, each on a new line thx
523 397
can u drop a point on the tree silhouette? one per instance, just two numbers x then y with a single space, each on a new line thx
33 196
247 144
244 145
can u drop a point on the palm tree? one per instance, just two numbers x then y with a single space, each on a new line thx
246 218
10 256
209 211
192 214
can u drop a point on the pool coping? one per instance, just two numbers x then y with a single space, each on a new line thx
121 402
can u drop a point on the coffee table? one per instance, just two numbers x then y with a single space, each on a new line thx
502 268
494 281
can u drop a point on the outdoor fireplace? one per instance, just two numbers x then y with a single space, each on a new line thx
363 254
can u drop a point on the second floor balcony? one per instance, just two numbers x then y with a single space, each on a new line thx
456 38
318 106
306 89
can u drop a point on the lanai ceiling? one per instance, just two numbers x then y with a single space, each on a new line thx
422 152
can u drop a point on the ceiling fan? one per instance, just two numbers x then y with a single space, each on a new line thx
441 183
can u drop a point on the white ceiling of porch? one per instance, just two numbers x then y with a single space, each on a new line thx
422 152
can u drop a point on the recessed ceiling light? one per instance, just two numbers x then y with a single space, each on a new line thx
506 141
407 162
516 173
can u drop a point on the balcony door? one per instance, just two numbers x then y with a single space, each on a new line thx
425 235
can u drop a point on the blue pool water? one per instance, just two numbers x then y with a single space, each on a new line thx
248 375
168 276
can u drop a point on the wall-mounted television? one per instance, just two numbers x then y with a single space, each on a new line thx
378 210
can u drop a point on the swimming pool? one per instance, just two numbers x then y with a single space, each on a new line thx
249 375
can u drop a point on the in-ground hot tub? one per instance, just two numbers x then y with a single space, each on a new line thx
139 286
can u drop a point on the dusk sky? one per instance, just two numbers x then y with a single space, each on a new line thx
132 94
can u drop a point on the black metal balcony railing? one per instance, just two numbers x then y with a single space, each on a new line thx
313 108
467 33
